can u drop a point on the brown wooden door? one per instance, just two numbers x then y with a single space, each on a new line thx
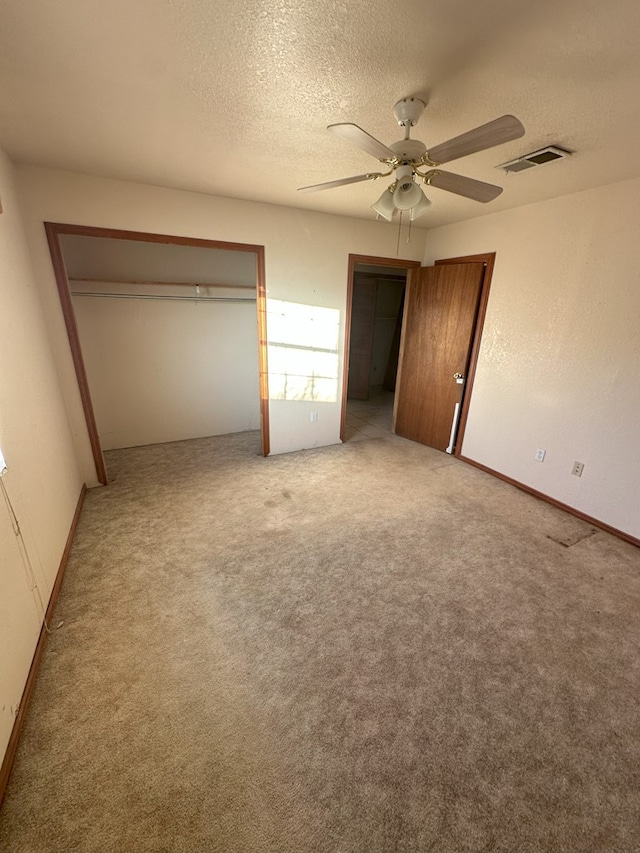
441 305
363 313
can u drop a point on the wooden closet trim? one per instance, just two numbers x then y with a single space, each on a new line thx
53 231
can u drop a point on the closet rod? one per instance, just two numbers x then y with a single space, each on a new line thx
175 298
146 281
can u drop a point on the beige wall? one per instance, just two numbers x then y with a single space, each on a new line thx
306 269
134 260
42 480
559 365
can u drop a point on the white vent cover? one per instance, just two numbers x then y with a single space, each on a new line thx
536 158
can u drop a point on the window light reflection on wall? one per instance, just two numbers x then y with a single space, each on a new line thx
302 351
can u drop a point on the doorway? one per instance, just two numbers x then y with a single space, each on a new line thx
375 294
164 279
414 415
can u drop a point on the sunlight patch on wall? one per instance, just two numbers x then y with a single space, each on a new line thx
303 351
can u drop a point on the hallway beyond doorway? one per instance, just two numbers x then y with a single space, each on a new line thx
370 418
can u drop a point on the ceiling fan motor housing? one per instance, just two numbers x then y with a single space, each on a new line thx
409 150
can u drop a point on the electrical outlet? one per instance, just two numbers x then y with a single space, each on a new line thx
540 454
313 417
578 468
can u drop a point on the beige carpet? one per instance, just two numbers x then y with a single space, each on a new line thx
370 647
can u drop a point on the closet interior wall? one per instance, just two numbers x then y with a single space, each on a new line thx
169 338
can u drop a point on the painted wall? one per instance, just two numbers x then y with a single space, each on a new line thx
165 370
306 270
111 259
559 365
168 371
42 481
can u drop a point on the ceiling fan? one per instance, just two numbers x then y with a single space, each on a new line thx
409 159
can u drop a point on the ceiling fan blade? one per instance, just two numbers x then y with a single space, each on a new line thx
468 187
370 176
495 132
357 136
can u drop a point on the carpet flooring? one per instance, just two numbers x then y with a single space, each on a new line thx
361 648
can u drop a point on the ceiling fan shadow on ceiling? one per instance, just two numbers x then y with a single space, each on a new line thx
409 159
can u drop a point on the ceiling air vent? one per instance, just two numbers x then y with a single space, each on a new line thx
536 158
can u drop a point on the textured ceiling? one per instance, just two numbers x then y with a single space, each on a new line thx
233 99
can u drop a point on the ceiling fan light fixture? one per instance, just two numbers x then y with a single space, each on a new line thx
407 194
420 208
404 173
385 206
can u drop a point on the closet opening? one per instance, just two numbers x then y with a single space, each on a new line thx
167 335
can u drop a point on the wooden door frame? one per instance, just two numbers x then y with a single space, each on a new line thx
488 259
55 229
397 263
